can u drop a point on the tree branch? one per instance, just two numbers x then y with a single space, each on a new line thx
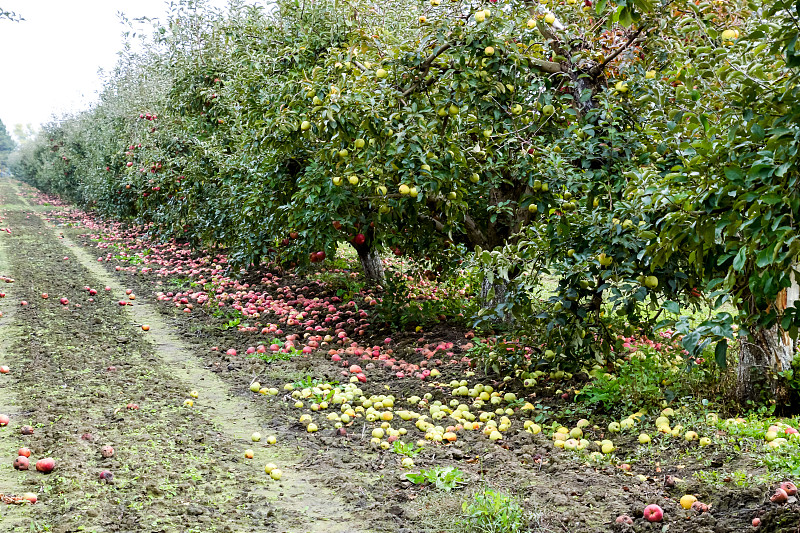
598 69
475 235
437 224
547 66
425 66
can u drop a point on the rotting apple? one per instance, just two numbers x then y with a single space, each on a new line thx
45 465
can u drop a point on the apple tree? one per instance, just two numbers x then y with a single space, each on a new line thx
726 122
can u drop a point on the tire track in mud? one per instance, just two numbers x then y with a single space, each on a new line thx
220 424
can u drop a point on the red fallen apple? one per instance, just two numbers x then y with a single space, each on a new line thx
26 430
30 497
756 522
106 476
25 452
789 487
4 420
45 465
653 513
700 507
21 463
107 451
23 303
780 496
45 296
132 406
624 519
4 369
87 436
64 301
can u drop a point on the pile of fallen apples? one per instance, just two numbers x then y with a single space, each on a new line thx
654 513
22 462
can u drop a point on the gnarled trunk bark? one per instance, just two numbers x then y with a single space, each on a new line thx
765 353
371 263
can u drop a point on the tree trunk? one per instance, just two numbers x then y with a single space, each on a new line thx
765 353
371 263
500 288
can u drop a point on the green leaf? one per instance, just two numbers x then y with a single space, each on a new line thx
739 260
625 17
720 354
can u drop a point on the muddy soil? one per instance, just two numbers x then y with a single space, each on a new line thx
84 375
75 368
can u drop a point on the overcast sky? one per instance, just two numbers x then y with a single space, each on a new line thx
49 62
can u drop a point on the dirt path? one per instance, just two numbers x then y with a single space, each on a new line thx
76 367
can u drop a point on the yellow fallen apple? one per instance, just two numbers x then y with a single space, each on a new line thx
644 438
687 500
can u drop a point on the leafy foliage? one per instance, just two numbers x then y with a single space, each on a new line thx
492 512
442 478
